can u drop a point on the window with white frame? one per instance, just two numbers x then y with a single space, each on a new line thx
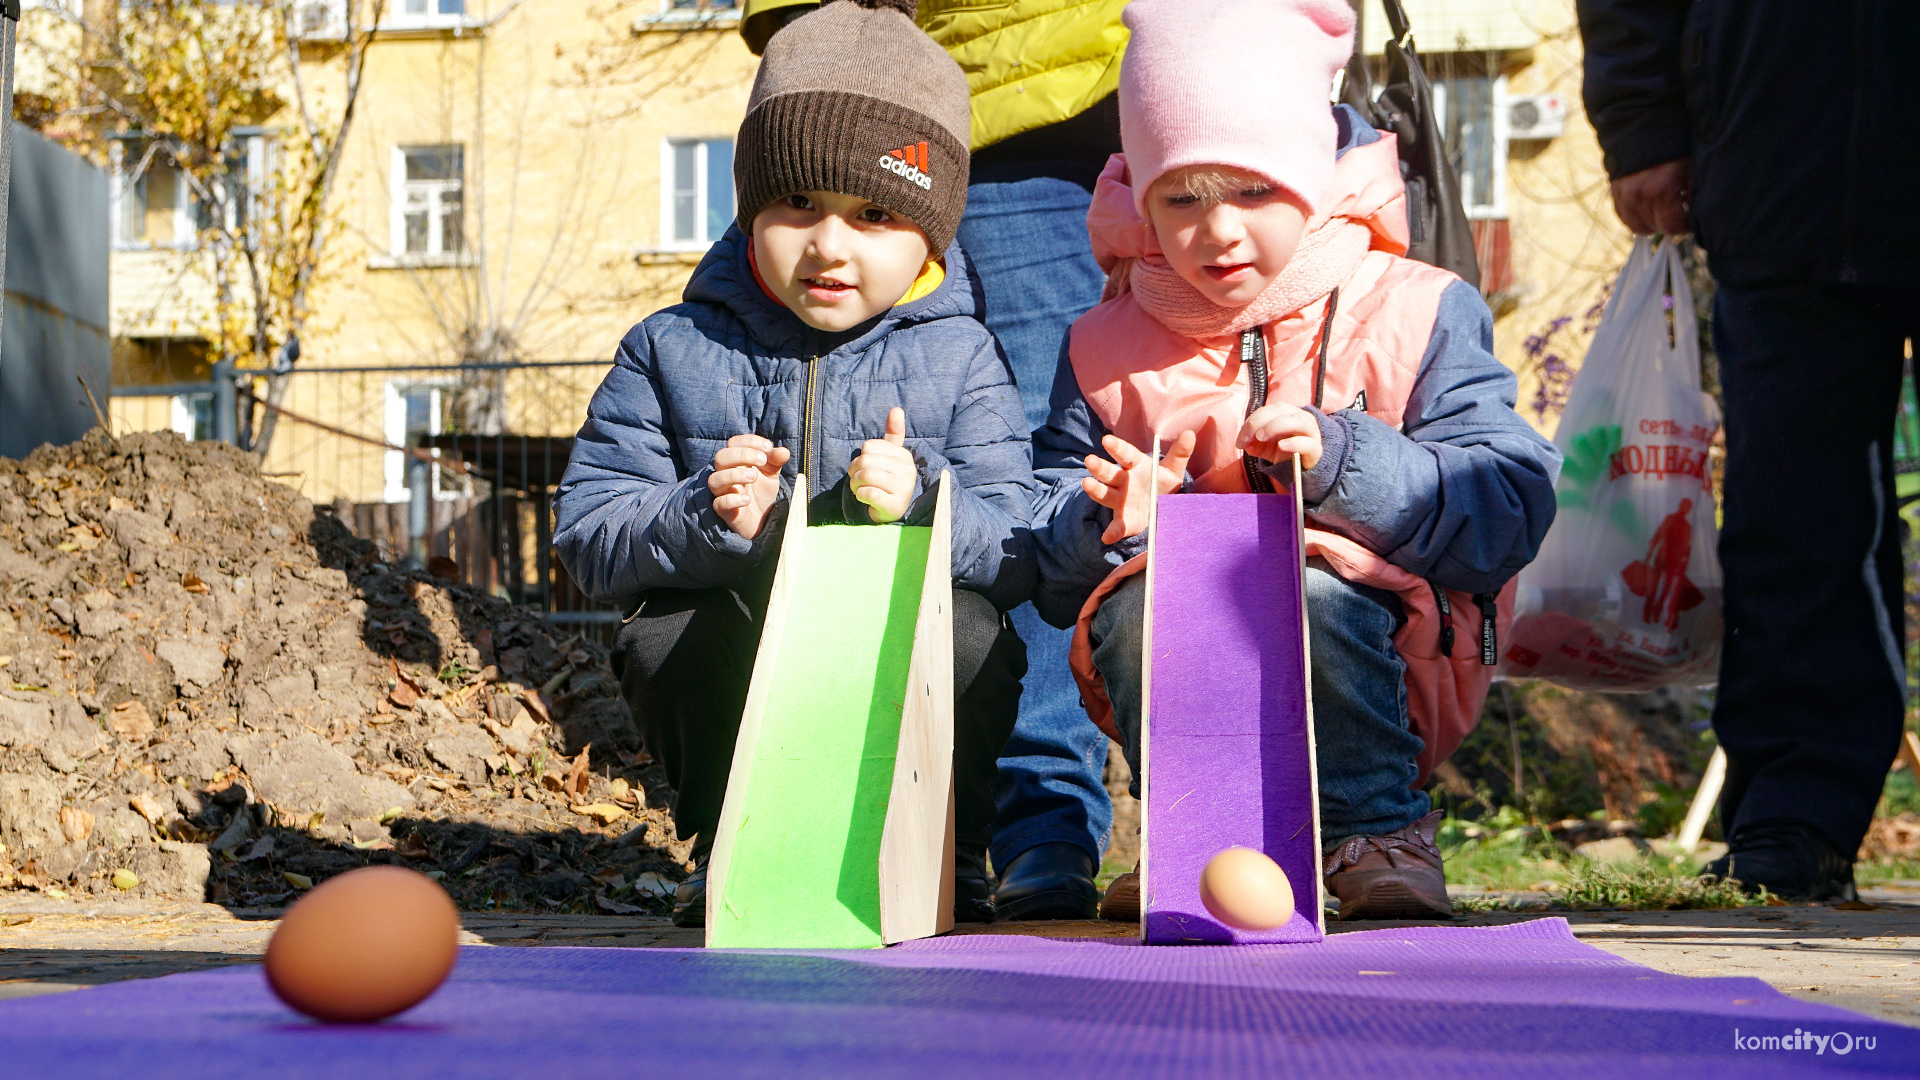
153 201
193 416
414 409
696 192
407 14
428 202
1472 113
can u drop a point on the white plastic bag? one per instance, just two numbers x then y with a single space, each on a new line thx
1625 594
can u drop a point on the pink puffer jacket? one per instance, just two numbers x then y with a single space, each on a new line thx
1143 380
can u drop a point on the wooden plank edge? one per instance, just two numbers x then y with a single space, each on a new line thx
915 835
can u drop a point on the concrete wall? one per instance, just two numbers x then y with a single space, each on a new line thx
55 323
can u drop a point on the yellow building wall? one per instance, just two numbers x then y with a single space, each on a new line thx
563 110
1567 243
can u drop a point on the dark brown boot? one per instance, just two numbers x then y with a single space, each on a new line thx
1122 901
1396 876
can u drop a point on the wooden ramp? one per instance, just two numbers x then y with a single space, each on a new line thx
1227 722
837 827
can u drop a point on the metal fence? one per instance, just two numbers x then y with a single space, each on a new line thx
449 467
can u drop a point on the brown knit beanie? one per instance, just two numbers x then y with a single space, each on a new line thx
856 99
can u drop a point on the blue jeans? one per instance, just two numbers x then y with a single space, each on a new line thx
1362 743
1028 241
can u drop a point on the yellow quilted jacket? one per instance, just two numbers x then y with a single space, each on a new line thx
1029 63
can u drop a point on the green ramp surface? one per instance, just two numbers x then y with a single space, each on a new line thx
805 865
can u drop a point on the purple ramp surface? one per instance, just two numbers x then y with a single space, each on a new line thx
1526 1000
1228 756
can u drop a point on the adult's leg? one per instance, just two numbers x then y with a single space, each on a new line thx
1028 241
684 662
1812 681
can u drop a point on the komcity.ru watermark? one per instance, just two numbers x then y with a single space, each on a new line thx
1839 1042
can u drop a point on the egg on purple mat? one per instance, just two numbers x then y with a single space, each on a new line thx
364 946
1246 890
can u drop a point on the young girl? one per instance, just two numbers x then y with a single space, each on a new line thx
1259 309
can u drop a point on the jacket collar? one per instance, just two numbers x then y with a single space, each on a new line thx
725 277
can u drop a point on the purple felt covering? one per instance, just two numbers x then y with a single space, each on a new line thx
1517 1001
1228 758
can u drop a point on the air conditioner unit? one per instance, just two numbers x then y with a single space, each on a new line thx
1536 116
320 20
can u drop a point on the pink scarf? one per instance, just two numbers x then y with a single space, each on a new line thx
1126 247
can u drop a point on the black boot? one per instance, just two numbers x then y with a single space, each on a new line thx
1048 881
690 899
972 887
1794 860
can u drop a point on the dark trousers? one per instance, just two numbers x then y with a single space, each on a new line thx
685 658
1812 678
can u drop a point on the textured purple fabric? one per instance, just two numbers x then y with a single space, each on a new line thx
1477 1003
1228 759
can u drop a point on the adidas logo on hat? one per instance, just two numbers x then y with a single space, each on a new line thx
910 164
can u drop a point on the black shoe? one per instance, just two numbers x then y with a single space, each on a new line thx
1794 860
972 887
690 899
1048 881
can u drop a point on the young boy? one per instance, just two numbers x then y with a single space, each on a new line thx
831 332
1249 229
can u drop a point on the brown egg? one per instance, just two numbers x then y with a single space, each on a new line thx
1246 890
364 946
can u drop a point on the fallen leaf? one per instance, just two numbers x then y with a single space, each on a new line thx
577 773
57 894
130 719
604 813
611 878
579 658
390 813
536 704
262 848
620 791
191 582
403 694
298 881
652 884
1856 905
615 907
382 843
5 660
148 807
552 782
125 879
443 568
413 847
75 823
319 818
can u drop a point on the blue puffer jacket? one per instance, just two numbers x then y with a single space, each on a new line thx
634 512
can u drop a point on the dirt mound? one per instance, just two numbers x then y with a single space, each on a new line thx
207 690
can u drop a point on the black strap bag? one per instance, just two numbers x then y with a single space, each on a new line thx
1436 220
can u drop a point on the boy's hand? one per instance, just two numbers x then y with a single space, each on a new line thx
1275 431
884 474
746 482
1125 487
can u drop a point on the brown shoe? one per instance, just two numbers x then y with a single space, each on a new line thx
1122 902
1396 876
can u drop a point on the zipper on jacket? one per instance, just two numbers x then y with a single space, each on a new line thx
1489 611
1253 354
1446 618
808 440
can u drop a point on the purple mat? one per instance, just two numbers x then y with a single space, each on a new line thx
1229 761
1523 1001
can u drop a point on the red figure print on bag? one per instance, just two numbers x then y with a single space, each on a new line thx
1661 577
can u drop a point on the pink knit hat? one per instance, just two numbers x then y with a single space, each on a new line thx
1233 82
